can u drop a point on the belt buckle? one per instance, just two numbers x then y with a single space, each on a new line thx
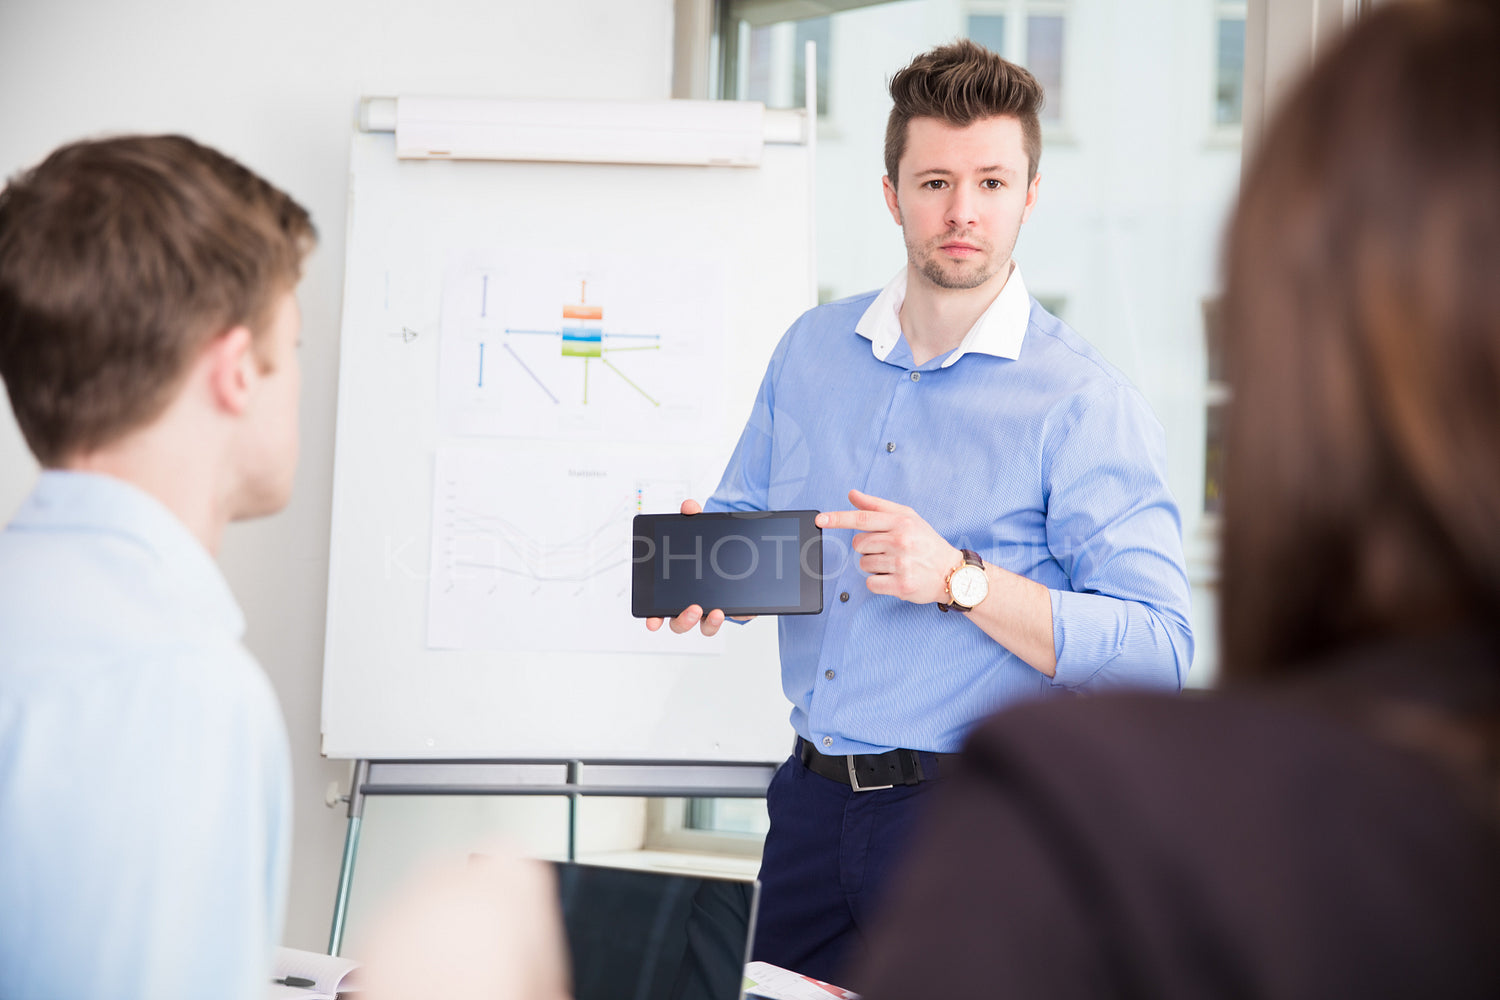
854 778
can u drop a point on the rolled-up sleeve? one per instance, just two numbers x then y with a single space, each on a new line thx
1114 527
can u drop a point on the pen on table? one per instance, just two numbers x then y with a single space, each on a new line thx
296 981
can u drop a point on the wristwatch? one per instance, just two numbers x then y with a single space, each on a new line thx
967 584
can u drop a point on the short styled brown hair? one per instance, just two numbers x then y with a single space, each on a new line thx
119 260
962 83
1362 331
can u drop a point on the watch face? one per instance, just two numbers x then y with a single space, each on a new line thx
968 586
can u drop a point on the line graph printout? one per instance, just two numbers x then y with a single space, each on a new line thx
531 549
581 346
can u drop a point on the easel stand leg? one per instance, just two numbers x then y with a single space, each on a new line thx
351 847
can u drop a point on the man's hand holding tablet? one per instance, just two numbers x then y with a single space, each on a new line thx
744 563
693 615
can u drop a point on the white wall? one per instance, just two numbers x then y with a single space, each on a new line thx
275 84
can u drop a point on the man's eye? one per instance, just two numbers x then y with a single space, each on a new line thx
934 185
992 184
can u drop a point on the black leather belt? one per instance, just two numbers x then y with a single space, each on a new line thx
869 772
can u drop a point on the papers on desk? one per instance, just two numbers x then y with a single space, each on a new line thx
329 975
764 981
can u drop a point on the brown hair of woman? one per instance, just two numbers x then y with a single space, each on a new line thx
1362 318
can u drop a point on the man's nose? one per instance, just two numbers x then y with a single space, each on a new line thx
961 205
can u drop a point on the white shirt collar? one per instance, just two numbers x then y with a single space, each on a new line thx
998 331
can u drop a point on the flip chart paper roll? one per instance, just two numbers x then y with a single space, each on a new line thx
696 133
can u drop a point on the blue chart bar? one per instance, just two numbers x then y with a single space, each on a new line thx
580 342
481 364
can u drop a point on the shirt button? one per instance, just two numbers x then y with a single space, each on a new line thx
828 674
844 596
890 446
828 741
916 376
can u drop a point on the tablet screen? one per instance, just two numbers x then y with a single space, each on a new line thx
755 563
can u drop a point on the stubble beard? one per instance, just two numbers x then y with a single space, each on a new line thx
955 275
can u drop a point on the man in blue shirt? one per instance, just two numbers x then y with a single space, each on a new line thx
148 344
1000 524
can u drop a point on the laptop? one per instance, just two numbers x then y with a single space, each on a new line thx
652 935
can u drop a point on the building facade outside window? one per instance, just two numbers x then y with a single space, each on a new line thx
1030 32
772 63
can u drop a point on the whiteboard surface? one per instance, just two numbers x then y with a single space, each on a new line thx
386 692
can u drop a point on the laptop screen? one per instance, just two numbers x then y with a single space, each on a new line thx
650 935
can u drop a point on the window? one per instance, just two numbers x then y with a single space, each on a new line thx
1213 459
1216 397
772 64
1036 43
1229 64
988 30
1044 57
745 817
1057 305
1123 245
817 31
725 827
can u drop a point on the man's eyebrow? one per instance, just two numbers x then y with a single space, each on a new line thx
997 168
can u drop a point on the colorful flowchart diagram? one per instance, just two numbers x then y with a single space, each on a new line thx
583 335
625 350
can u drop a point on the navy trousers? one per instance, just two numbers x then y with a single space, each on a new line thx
829 854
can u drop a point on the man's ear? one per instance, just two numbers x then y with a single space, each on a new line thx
889 187
1031 190
230 360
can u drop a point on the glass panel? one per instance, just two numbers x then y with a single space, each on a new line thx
1213 336
1213 461
1044 57
1229 87
1132 260
988 30
747 817
1057 305
773 63
757 79
814 30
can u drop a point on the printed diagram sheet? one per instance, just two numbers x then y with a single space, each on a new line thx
581 347
531 549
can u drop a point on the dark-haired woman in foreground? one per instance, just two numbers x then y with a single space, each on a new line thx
1327 825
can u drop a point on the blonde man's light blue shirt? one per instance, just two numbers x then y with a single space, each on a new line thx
144 771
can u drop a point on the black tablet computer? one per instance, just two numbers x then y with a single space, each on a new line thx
742 562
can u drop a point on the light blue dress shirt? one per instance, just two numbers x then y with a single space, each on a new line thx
1022 444
144 771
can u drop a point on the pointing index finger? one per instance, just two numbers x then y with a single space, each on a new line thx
859 520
